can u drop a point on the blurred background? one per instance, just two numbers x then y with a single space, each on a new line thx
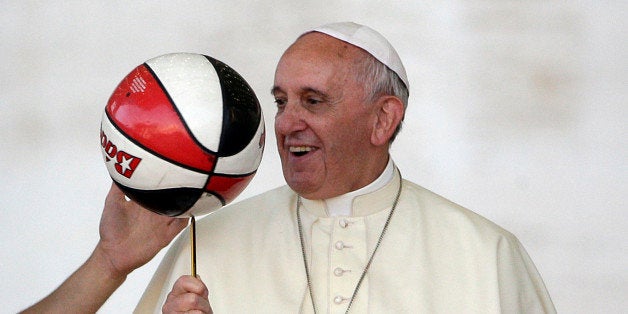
518 111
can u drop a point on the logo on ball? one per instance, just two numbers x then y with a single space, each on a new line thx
125 163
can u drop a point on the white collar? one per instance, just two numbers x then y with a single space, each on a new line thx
342 205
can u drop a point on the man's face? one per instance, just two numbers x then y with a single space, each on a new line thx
323 126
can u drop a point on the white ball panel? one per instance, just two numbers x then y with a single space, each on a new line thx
247 160
181 73
143 170
206 204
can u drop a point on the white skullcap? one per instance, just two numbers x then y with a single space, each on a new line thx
370 40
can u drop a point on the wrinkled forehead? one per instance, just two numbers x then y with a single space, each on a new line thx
315 53
318 62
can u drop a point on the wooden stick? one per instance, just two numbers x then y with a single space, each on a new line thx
193 245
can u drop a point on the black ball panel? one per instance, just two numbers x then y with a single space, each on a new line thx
170 202
241 110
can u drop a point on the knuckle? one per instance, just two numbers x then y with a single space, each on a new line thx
192 300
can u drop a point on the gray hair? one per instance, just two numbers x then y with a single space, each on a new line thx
379 80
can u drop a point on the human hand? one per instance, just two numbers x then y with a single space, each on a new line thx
130 235
189 295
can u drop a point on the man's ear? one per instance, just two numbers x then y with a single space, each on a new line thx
389 113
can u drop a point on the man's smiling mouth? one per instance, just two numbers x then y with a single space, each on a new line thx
301 150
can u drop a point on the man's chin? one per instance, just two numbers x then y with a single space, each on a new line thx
305 188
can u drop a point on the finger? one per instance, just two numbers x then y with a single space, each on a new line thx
173 225
186 303
176 225
115 191
188 284
116 196
205 294
170 228
196 302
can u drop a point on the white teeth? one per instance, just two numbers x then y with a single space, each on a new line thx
300 149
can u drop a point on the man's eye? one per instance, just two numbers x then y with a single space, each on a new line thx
313 101
280 102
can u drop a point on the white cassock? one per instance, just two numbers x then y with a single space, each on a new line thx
435 257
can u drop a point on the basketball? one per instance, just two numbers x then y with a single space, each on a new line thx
182 134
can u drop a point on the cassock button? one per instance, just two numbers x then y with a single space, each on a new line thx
340 245
339 272
339 299
343 223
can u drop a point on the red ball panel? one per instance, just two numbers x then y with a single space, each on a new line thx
228 187
141 109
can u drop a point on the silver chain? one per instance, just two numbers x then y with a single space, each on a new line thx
368 264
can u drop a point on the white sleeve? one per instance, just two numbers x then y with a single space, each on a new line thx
521 289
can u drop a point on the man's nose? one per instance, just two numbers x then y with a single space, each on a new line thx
290 119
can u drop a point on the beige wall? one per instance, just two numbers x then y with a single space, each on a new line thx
518 112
